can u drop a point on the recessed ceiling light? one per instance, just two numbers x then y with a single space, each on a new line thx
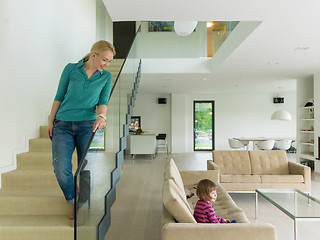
205 79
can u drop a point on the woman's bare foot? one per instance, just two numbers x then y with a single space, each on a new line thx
71 212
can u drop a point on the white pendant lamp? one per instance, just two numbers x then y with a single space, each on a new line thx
184 28
281 115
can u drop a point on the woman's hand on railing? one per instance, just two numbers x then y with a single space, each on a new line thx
99 124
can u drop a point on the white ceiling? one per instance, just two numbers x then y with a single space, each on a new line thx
269 59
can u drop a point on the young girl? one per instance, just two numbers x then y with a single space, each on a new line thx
204 212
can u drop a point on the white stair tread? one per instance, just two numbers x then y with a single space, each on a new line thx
53 192
42 220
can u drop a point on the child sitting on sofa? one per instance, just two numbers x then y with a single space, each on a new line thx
203 211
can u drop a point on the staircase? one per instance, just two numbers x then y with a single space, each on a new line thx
32 206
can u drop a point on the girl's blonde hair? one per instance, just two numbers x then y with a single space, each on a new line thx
204 188
100 47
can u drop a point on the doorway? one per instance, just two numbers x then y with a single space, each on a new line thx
203 125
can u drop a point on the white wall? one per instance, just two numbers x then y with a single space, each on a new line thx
155 118
236 115
178 122
172 45
38 38
104 23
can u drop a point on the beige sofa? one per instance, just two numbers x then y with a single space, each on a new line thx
177 218
248 170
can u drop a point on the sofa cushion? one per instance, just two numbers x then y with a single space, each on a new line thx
176 203
240 178
232 162
282 178
224 204
251 187
171 171
269 162
240 217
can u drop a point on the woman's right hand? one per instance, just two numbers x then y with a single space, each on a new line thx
54 110
49 130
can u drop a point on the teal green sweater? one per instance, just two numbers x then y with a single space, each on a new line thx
79 95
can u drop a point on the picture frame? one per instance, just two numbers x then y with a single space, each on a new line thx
163 26
135 123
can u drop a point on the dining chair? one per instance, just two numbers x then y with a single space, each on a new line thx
245 143
265 145
283 144
293 147
236 144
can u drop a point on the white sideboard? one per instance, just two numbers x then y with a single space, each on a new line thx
143 144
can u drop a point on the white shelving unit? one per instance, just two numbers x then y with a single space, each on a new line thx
306 135
308 89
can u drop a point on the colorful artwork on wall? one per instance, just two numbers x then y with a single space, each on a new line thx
135 123
161 26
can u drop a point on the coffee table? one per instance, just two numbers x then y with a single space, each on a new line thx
297 205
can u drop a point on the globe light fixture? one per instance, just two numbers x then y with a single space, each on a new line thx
184 28
281 115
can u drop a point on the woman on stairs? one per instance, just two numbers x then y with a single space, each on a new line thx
78 110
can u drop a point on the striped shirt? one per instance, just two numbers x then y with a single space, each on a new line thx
204 213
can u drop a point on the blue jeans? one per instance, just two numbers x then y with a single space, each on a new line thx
66 136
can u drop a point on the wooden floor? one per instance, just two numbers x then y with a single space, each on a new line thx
136 214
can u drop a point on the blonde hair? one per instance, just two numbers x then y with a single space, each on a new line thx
100 47
204 188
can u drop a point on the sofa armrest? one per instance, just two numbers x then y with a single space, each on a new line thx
305 171
212 166
193 177
239 231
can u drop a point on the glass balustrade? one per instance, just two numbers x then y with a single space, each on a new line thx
99 169
217 33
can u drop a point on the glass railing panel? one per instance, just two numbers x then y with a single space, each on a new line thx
94 180
163 42
93 176
220 32
128 77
